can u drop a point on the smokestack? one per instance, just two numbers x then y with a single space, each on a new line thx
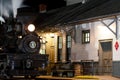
42 8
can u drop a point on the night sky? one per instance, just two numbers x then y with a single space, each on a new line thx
51 4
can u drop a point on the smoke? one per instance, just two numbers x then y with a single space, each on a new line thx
16 4
9 7
1 19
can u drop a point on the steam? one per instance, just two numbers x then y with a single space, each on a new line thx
1 19
9 7
16 4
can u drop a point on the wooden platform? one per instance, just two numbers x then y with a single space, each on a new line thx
66 78
55 78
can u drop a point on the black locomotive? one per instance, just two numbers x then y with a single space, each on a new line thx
19 51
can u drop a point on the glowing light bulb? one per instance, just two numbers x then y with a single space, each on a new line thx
31 28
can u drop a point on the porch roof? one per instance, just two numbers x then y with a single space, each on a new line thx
79 12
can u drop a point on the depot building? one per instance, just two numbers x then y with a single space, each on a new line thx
86 34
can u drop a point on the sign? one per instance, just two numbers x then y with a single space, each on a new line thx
116 45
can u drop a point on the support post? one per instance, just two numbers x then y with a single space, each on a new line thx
117 27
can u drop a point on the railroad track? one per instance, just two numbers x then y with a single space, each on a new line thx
19 78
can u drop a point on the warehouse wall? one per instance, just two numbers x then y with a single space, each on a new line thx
90 51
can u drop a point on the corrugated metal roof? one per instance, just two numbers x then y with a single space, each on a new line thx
80 12
109 8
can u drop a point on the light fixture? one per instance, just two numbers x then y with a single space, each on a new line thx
52 35
31 28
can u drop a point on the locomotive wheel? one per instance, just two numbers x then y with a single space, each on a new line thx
5 75
30 44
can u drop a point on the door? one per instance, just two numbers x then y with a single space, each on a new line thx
105 57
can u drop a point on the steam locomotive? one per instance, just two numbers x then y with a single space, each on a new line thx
19 51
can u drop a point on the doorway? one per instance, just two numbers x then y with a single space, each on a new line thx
105 57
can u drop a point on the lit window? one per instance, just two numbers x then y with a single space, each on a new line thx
86 36
43 46
68 47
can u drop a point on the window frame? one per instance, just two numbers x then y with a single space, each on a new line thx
85 36
68 47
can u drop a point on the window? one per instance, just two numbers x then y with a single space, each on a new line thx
106 46
43 46
59 56
86 36
68 47
69 41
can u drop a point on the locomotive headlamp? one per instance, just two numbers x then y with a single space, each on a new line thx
31 28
